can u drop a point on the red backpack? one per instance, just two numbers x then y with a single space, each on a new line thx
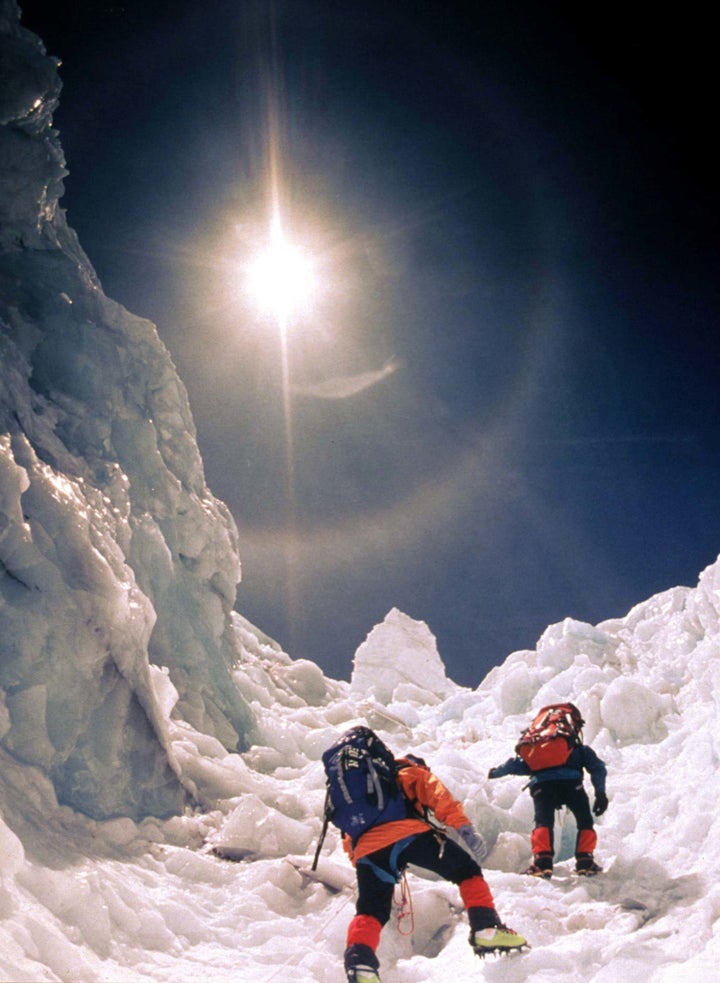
552 735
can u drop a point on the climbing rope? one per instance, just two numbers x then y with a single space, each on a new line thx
405 907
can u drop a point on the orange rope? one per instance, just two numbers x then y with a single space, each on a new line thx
405 908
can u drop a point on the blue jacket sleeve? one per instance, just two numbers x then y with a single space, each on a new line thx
513 766
595 768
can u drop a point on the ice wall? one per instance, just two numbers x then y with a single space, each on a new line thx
113 553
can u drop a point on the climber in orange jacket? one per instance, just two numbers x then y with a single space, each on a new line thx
382 853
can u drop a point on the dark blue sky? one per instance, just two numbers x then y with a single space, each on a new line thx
517 203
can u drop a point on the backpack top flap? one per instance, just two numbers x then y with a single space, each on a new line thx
362 782
551 737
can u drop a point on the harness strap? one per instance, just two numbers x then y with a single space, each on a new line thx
390 874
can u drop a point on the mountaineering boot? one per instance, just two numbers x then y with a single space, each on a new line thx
362 974
585 865
542 866
496 939
361 964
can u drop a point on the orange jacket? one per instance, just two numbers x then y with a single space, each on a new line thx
424 790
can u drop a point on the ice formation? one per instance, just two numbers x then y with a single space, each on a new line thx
400 660
227 891
114 555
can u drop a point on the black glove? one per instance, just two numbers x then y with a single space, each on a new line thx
601 804
493 773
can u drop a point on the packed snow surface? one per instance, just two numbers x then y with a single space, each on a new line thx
161 788
226 893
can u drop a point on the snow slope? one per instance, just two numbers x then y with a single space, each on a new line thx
160 778
115 900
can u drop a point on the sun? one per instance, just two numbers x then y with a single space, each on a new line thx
281 278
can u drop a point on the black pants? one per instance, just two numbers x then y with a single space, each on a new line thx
552 795
378 873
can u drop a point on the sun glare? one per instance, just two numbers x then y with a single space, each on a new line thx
281 278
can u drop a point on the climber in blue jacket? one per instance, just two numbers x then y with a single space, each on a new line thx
555 787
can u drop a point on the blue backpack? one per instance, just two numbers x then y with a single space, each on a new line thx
362 788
